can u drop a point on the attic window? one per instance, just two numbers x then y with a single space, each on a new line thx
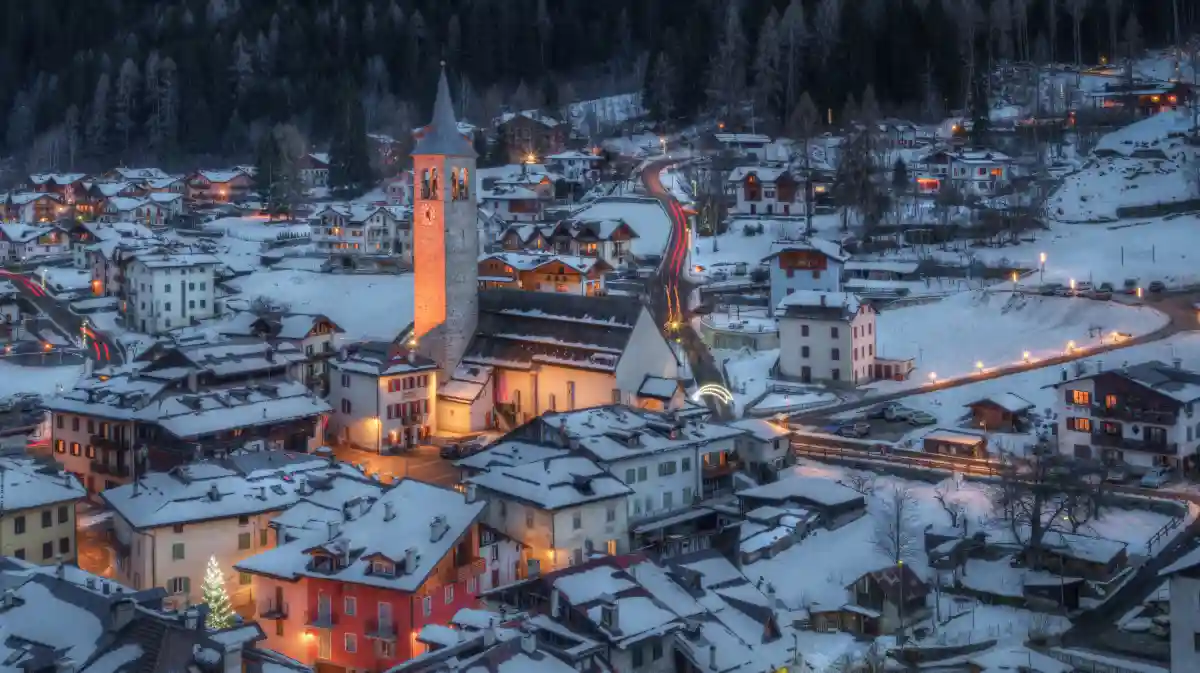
382 567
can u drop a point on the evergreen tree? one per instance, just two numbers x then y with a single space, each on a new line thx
220 611
349 160
980 114
900 175
97 124
277 174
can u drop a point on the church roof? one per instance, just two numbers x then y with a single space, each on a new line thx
441 136
517 328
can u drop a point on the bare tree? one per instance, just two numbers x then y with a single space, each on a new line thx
897 531
1043 495
802 125
948 496
828 27
863 482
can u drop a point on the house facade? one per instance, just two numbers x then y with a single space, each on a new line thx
805 265
218 186
582 168
826 336
766 190
314 169
1139 415
21 242
356 594
165 290
34 207
970 172
356 229
37 513
513 203
530 135
1184 586
543 273
383 396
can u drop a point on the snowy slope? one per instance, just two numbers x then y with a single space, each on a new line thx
1145 163
950 336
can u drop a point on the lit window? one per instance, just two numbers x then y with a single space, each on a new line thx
1081 397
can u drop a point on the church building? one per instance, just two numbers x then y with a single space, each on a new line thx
505 356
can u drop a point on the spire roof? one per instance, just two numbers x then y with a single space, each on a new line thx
442 136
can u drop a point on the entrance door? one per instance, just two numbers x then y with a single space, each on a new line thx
806 374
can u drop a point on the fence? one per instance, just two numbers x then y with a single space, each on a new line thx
1091 662
1162 533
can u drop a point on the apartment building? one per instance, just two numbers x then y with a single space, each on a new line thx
37 511
383 396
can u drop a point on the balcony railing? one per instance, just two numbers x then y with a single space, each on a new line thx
381 630
320 620
474 568
273 610
1130 444
718 471
101 467
1127 413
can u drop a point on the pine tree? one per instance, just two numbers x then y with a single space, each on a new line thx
125 104
220 611
97 123
349 160
767 76
277 178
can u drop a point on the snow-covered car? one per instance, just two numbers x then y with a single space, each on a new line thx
920 418
855 430
891 412
1156 478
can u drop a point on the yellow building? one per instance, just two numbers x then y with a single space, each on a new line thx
37 511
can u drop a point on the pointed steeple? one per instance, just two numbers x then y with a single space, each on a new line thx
442 137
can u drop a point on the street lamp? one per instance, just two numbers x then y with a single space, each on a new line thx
1070 346
1072 283
933 377
1025 356
1042 268
979 365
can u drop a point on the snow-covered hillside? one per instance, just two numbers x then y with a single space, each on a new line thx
1144 164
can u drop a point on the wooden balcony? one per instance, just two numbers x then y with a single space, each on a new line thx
1129 413
1131 444
273 610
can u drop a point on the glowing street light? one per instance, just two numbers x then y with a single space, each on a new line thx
933 377
1042 268
1070 346
1025 356
979 365
1139 293
1072 286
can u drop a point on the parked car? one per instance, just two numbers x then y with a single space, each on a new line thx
1117 474
461 450
891 412
1156 478
855 430
1083 288
1050 289
1157 286
1101 295
919 418
1106 287
881 411
1130 285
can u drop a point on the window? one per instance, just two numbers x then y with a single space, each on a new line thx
835 354
75 424
324 645
245 579
60 445
804 330
19 553
262 538
553 403
427 605
351 606
177 551
345 380
833 332
89 451
47 550
203 303
449 598
47 519
685 465
668 499
75 449
191 303
666 469
351 643
244 540
345 406
577 520
656 650
529 519
638 659
179 585
642 471
837 375
631 476
19 525
63 514
610 515
804 351
91 427
687 495
178 528
243 520
1079 424
167 287
58 421
279 627
387 649
1079 397
167 306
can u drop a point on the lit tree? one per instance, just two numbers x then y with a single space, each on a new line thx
220 612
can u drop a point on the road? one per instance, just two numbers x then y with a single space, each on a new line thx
669 289
102 348
422 463
1178 307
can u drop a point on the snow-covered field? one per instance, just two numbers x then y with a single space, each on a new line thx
258 228
41 380
818 569
951 336
645 216
1145 163
1146 250
366 306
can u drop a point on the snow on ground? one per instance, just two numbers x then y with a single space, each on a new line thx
258 228
1146 250
591 116
735 246
996 329
40 380
366 306
1145 163
58 279
676 183
645 216
747 373
830 560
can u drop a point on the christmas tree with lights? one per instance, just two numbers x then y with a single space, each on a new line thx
220 611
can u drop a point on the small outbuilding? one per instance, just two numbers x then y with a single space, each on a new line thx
1006 412
955 443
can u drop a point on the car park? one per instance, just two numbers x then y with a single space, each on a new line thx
1117 474
1083 288
854 430
1101 295
1050 289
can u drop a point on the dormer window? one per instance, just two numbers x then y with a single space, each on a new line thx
382 567
322 563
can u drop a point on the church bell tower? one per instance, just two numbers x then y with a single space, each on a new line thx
445 237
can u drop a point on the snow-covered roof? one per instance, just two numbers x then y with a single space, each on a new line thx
165 197
881 265
762 430
574 155
1181 385
1012 658
553 483
22 198
466 383
413 526
826 247
381 358
163 259
141 173
164 183
616 432
762 173
1010 402
188 416
532 115
742 138
124 204
847 302
211 490
953 437
659 388
508 453
825 492
111 189
359 213
982 157
218 176
320 157
57 178
26 483
530 261
508 193
19 232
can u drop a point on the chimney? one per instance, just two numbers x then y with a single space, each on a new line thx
1099 366
190 619
610 613
214 493
712 657
90 582
528 642
334 529
1178 362
193 381
771 601
121 613
1064 375
437 528
410 560
262 492
388 512
554 600
472 494
822 299
7 598
105 588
